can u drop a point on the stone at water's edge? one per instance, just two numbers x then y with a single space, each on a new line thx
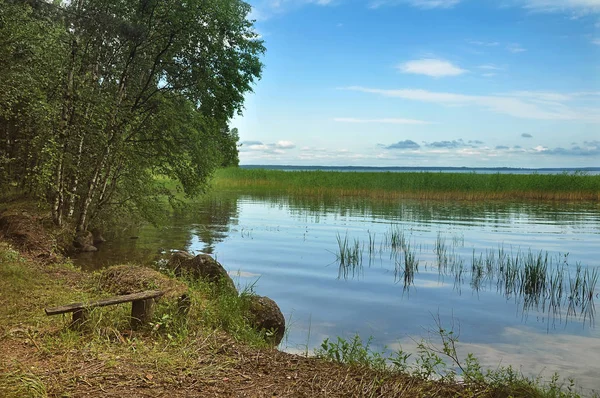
266 315
176 259
97 237
83 239
89 248
202 266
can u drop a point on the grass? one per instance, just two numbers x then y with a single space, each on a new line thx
418 185
537 281
438 360
171 342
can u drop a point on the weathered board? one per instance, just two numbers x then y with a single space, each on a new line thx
78 307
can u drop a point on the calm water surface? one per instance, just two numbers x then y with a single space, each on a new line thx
289 247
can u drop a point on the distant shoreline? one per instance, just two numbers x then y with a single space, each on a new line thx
518 170
431 184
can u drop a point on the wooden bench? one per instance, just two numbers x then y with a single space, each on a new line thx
142 305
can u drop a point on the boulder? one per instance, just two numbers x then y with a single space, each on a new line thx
97 237
83 239
203 267
176 259
265 315
89 248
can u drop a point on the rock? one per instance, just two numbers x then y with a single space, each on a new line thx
89 248
265 315
202 266
177 258
97 237
83 239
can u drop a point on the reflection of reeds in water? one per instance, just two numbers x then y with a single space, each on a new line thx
407 266
535 280
395 239
349 256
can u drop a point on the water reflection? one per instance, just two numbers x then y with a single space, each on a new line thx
447 258
202 224
536 280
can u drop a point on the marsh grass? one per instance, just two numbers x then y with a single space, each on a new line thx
418 185
537 281
349 256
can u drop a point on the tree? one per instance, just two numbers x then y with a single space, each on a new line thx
145 89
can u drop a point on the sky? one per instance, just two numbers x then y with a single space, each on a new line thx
425 83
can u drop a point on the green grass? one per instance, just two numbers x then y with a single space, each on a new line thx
576 186
170 342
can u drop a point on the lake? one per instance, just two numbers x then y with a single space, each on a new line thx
388 270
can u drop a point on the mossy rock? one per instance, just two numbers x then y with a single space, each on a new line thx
202 267
264 315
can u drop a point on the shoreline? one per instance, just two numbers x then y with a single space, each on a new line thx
111 360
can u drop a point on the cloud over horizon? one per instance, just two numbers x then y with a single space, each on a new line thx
406 144
259 146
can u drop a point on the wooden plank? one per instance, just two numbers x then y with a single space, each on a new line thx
150 294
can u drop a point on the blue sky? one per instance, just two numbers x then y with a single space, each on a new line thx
471 83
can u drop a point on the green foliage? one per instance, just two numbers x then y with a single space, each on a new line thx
100 97
352 352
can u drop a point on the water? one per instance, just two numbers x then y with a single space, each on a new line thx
289 247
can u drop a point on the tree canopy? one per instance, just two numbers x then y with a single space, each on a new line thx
100 97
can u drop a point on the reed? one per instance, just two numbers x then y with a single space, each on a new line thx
418 185
349 256
536 280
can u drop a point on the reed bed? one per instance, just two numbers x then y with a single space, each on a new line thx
415 185
536 281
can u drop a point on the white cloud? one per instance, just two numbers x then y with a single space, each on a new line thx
484 43
515 48
424 4
578 7
285 145
596 41
257 146
489 67
385 120
524 104
431 67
